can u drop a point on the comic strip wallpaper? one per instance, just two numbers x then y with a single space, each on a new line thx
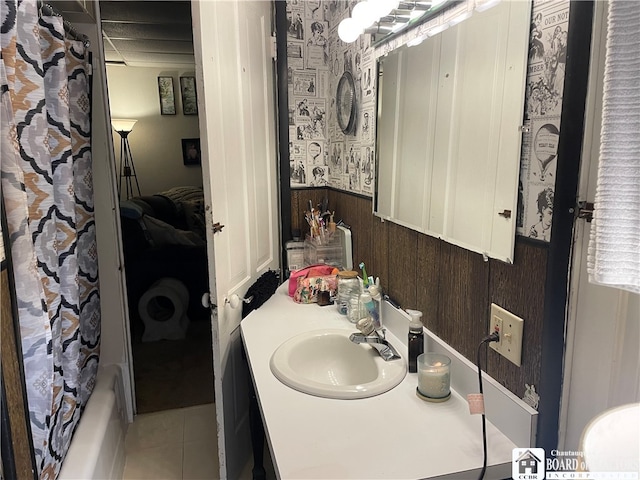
321 155
543 107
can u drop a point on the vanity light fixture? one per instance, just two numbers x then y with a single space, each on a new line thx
416 41
482 5
458 13
384 17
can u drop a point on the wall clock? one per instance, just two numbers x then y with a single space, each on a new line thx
346 104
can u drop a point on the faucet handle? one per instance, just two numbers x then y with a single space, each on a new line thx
365 325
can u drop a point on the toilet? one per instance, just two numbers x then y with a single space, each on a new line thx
163 310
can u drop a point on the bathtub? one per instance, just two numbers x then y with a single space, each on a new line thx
97 447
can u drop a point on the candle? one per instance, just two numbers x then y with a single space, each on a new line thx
433 375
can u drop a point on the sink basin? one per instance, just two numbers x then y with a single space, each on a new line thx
327 364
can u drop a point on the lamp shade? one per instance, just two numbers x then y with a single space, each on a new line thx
123 124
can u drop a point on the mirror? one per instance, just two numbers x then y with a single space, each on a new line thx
450 112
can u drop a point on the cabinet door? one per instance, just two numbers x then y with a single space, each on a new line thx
449 131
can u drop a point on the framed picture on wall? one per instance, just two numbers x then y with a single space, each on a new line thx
167 97
189 95
191 151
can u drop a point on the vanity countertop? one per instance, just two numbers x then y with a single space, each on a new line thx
394 435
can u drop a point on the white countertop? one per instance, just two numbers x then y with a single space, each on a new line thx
394 435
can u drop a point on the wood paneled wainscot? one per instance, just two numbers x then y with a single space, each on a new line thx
453 287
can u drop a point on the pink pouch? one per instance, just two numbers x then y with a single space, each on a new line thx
308 288
317 270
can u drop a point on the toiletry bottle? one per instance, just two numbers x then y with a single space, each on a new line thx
367 301
416 339
376 295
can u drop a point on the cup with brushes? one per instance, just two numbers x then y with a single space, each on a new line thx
370 300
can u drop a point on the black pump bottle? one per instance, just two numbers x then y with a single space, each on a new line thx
416 339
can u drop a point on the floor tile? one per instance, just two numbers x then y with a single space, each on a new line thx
200 461
155 429
200 424
155 463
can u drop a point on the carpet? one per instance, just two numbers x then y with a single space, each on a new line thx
174 373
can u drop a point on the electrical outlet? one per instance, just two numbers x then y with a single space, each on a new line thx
510 327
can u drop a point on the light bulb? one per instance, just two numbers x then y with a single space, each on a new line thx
416 41
437 29
460 17
482 5
363 14
382 8
349 30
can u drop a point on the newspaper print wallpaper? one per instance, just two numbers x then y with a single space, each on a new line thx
321 155
543 107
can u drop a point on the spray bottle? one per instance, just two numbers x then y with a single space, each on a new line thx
416 339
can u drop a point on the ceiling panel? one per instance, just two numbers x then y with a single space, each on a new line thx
153 46
147 33
138 59
146 12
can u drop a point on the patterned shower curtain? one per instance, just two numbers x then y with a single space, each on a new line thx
48 195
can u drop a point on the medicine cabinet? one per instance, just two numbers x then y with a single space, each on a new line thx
449 131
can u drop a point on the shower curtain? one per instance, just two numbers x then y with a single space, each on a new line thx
48 195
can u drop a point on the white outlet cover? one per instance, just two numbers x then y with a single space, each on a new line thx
510 344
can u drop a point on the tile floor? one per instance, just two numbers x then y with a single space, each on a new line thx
178 444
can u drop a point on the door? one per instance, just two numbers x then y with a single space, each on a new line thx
235 80
602 365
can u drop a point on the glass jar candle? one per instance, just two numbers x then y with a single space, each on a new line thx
434 381
348 287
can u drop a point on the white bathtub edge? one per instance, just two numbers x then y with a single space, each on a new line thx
97 447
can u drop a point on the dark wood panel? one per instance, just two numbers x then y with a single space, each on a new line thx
380 250
453 287
12 378
403 250
428 279
519 288
300 204
462 319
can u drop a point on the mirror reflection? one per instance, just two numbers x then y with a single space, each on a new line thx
450 111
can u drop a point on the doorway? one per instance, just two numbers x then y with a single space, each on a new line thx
149 45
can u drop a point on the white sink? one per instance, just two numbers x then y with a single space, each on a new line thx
327 364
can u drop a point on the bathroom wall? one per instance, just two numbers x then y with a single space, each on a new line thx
320 154
156 140
317 58
452 286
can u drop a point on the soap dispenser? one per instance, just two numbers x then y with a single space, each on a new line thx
416 339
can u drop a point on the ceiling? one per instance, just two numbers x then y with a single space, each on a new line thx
147 33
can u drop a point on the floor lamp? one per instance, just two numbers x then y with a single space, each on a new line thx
127 169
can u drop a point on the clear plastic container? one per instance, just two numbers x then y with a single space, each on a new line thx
356 310
348 287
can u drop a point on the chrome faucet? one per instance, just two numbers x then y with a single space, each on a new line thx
376 339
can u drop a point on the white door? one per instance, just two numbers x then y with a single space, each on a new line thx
602 364
235 77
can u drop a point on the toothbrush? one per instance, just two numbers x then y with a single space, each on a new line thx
365 279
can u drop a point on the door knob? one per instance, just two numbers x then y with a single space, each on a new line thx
206 302
234 300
